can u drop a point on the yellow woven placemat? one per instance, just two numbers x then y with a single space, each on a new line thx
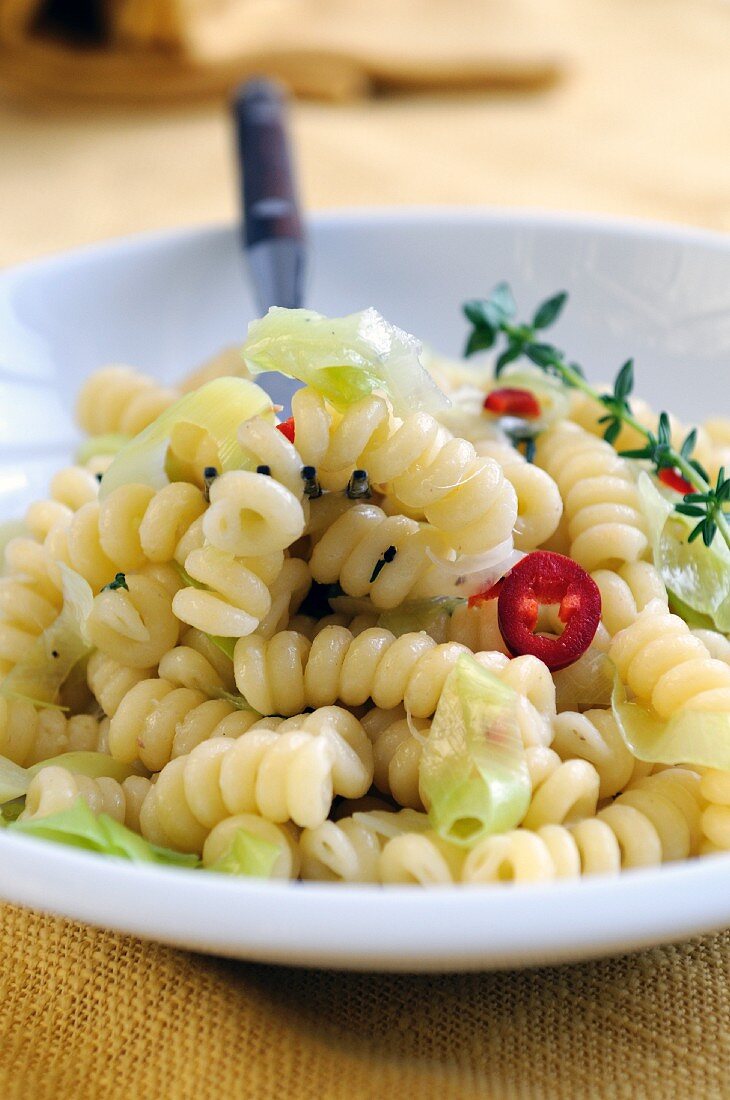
87 1014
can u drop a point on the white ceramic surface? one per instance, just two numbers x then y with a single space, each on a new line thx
164 303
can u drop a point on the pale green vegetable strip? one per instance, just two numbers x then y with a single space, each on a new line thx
473 772
219 408
247 855
694 737
79 827
14 780
92 764
696 574
344 358
40 674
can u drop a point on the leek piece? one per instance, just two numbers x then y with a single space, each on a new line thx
473 772
694 737
79 827
55 652
247 855
344 358
207 419
697 575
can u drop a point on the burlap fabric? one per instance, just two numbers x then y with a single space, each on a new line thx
88 1015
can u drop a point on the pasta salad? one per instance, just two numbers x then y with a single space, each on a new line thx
450 622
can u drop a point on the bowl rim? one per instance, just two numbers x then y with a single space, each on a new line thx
413 214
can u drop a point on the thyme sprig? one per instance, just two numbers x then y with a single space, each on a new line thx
493 326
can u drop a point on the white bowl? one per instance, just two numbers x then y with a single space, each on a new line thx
164 303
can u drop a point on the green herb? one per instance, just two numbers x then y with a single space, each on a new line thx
493 325
387 557
120 581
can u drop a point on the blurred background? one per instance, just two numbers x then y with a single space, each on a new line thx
113 115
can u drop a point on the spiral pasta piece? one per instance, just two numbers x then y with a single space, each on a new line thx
199 664
370 554
134 625
656 820
716 644
138 524
397 749
423 466
236 597
286 673
157 721
668 668
70 488
477 627
28 735
109 680
715 790
77 544
252 514
120 400
348 850
286 592
55 789
29 600
283 837
605 523
421 859
534 689
288 773
267 446
626 591
563 791
594 736
672 800
539 504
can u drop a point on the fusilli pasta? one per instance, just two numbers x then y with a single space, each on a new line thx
55 789
288 773
424 467
287 862
287 672
120 400
539 504
157 721
134 624
668 668
349 850
605 523
29 734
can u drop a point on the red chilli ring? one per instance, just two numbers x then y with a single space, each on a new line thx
671 477
510 401
545 578
287 429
